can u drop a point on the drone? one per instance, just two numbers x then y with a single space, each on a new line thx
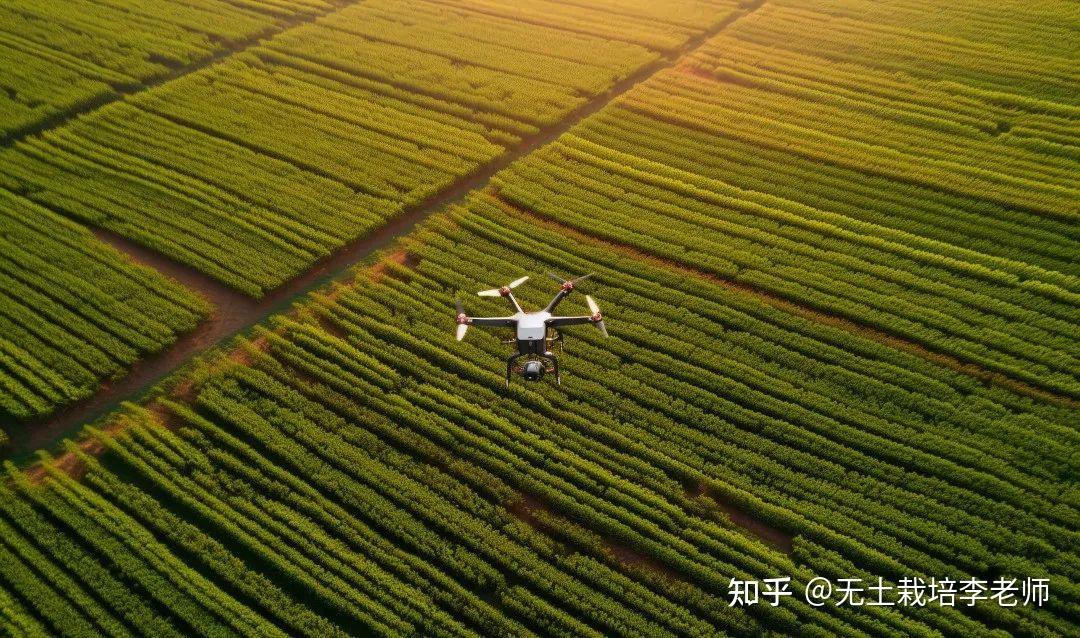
537 335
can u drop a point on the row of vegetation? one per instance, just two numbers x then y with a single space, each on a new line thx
351 469
1006 53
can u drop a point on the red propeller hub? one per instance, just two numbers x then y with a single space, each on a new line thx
597 317
568 285
504 291
462 318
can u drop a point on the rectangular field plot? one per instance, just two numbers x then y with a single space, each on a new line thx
352 469
254 168
73 311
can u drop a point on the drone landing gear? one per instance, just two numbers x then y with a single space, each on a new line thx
555 343
510 367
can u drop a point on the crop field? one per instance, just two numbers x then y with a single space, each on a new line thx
836 244
690 168
378 478
253 169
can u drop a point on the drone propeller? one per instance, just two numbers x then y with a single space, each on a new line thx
462 320
597 318
572 282
505 290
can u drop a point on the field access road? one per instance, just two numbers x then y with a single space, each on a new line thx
234 312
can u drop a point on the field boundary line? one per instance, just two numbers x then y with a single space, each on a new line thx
791 307
245 312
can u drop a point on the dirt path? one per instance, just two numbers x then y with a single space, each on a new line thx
235 312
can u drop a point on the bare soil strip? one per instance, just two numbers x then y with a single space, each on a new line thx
773 536
235 312
528 507
893 341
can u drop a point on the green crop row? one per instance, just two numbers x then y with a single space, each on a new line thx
18 620
660 27
954 175
1039 245
986 68
586 64
1036 26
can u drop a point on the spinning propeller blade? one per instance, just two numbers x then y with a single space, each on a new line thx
598 320
502 292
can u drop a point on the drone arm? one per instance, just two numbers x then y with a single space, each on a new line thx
566 286
595 318
496 322
558 322
513 302
464 321
559 296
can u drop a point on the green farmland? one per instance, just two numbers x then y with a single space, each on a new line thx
836 243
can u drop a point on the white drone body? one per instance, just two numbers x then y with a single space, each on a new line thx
532 326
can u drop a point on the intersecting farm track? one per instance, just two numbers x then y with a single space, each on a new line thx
235 311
